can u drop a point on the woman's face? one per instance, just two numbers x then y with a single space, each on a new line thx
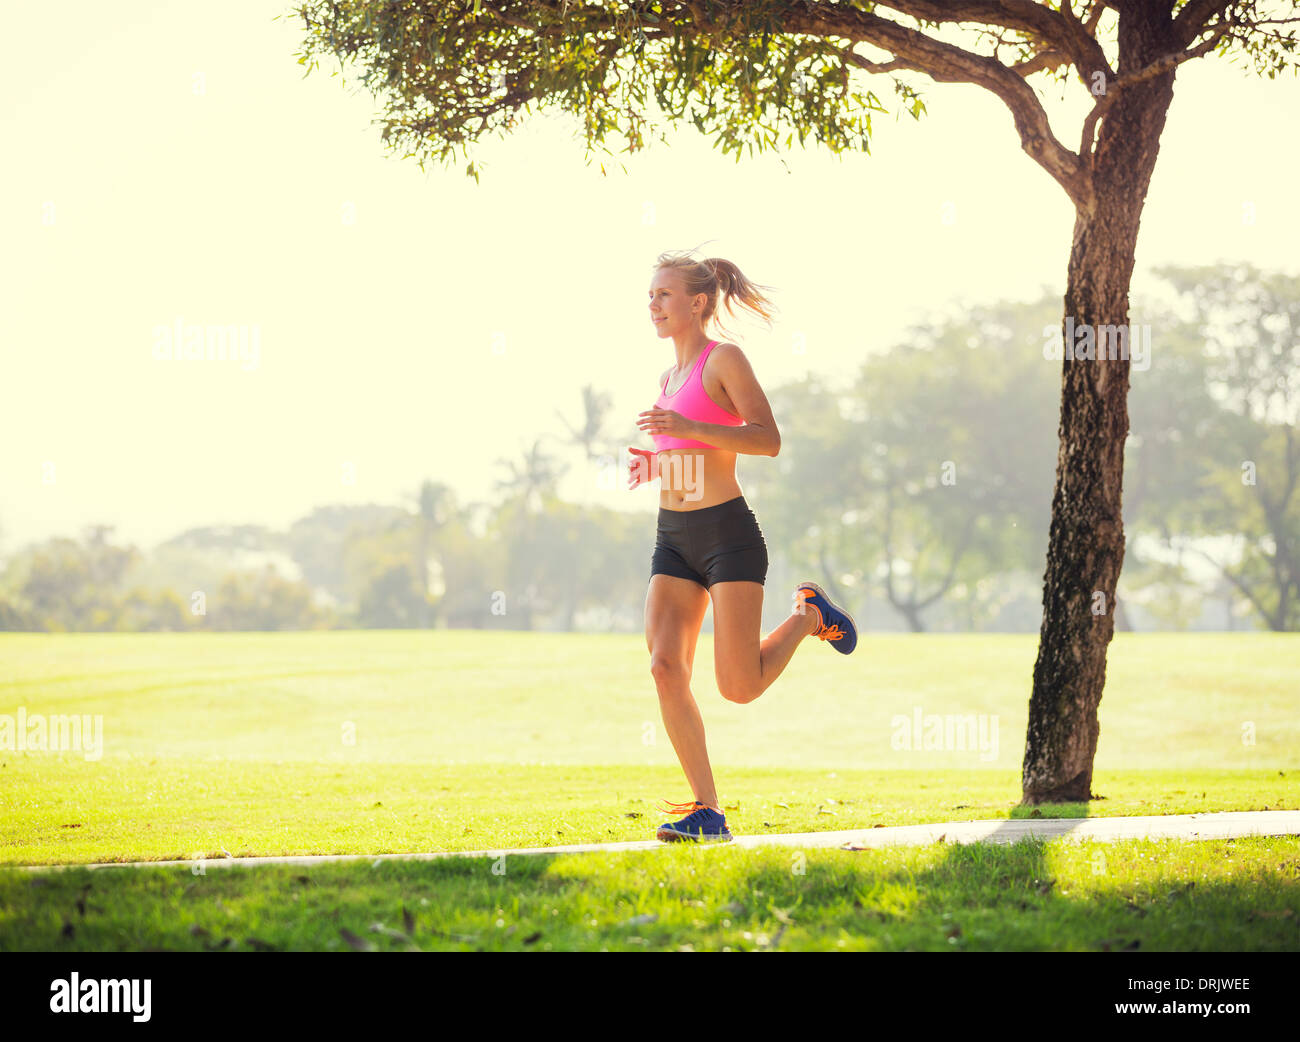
670 307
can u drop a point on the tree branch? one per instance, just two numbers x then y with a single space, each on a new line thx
1042 60
1165 63
1060 31
947 581
946 63
1240 584
1193 18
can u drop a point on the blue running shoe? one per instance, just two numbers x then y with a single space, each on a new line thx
700 823
836 625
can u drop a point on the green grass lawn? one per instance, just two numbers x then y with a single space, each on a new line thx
1229 895
299 743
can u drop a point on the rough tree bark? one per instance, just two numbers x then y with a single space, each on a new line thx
1086 539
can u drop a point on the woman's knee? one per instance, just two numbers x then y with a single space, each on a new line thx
738 690
670 672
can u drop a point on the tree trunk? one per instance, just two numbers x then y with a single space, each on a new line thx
913 617
1086 539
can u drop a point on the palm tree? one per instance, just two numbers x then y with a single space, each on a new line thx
595 407
435 505
535 477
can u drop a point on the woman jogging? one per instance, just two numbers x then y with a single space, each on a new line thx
708 545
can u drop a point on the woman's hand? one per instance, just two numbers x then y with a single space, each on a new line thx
666 422
643 466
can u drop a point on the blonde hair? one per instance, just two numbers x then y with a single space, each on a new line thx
713 276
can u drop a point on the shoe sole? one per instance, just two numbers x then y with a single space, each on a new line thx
839 609
669 836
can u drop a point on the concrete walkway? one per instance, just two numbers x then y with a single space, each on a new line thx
1229 825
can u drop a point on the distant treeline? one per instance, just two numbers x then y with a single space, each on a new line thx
919 494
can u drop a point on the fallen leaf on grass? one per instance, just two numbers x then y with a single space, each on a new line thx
459 938
396 935
357 944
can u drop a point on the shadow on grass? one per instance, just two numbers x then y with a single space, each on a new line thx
1028 895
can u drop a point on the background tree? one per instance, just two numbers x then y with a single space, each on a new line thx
532 478
435 507
958 478
317 542
263 600
1230 464
66 584
595 414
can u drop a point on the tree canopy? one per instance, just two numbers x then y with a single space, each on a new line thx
754 74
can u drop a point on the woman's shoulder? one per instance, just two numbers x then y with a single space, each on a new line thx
725 351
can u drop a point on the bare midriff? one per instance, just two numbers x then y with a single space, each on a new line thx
692 479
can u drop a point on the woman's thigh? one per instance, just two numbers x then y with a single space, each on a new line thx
737 644
674 613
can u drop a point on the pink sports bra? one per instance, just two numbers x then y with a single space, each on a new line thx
693 402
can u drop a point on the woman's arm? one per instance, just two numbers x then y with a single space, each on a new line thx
758 437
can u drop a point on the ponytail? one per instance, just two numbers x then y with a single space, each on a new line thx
718 279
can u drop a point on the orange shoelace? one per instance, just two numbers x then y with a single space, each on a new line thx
831 632
682 808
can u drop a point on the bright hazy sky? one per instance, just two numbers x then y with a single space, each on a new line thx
167 161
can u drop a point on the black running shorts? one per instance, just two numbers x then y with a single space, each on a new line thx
721 543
